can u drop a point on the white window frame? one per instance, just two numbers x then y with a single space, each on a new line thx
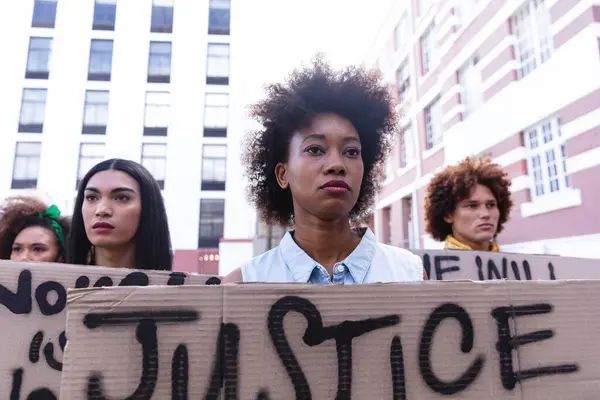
434 135
90 154
401 34
154 159
403 81
469 77
429 49
546 159
531 26
407 147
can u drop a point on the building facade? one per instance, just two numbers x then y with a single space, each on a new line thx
151 81
517 80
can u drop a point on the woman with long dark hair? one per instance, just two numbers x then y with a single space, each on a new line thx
32 231
119 219
315 166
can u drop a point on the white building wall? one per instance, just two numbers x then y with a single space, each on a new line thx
68 82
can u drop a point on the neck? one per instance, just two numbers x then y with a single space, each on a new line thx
326 242
116 257
477 246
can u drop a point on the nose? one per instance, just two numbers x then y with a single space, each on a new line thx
103 209
484 213
334 164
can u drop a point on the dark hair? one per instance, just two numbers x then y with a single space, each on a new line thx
153 241
454 184
352 93
20 212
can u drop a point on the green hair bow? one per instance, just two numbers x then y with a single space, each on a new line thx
52 213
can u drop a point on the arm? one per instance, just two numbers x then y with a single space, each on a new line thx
425 277
234 276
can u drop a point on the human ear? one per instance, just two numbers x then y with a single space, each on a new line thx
281 175
448 219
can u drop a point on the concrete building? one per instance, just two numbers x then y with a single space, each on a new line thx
147 80
518 80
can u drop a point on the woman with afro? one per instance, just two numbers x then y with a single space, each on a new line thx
314 167
467 205
32 231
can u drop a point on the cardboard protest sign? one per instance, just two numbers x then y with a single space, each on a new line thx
33 299
427 341
485 265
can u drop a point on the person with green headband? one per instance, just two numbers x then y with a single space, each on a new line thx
32 231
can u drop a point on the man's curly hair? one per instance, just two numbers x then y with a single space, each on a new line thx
353 93
20 212
454 184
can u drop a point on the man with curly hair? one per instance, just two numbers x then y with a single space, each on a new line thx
314 166
467 205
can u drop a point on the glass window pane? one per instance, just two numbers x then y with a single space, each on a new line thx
101 56
159 63
33 106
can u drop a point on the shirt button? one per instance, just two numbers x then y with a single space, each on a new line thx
340 268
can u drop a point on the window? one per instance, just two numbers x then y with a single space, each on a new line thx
215 114
27 165
157 114
44 14
433 124
212 220
105 14
219 17
214 162
403 81
159 62
547 161
162 16
33 110
154 158
531 27
95 112
469 78
407 147
428 49
100 60
90 154
463 9
38 59
401 34
217 64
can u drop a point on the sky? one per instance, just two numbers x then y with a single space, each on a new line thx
283 33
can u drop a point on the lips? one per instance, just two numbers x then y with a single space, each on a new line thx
336 187
486 226
102 226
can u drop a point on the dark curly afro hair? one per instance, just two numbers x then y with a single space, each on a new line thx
455 183
20 212
353 93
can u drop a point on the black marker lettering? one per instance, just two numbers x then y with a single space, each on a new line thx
42 394
17 381
316 334
82 282
41 296
397 365
439 271
427 265
507 343
19 302
435 319
225 365
176 279
479 264
49 355
551 270
135 279
527 270
105 281
35 346
180 374
213 280
146 335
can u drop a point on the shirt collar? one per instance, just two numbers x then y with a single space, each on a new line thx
301 264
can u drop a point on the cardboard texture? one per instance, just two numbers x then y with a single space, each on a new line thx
485 265
432 340
33 298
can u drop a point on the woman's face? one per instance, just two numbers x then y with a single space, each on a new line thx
475 220
324 170
111 209
36 244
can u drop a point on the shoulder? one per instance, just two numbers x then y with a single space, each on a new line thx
259 267
401 259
